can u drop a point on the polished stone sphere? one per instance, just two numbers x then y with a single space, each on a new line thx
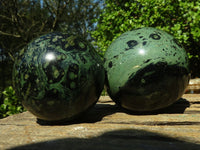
58 76
146 69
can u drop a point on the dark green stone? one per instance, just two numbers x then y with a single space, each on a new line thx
147 69
58 76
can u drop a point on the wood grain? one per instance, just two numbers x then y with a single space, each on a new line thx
106 126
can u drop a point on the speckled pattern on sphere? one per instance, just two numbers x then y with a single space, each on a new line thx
58 76
146 69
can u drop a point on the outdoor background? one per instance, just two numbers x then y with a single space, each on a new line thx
99 21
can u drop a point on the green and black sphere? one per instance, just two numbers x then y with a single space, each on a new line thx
146 69
58 76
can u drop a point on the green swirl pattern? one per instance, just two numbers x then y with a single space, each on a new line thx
58 76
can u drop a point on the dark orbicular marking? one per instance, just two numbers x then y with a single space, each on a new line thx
116 56
152 74
131 44
174 54
155 36
110 64
147 61
59 87
173 46
165 50
144 43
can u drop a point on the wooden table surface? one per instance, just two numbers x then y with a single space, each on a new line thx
108 127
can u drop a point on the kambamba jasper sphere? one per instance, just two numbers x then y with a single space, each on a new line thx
146 69
58 76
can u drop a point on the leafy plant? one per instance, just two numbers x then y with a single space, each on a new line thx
177 17
11 105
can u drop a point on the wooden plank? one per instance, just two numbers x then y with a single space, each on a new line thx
194 86
106 126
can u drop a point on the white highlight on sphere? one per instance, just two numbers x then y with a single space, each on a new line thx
142 51
50 56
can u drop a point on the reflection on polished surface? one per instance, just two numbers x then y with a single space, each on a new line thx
50 56
142 52
146 69
56 80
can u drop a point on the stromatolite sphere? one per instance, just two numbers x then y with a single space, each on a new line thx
147 69
58 76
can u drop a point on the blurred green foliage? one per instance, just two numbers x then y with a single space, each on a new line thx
21 21
181 18
11 105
